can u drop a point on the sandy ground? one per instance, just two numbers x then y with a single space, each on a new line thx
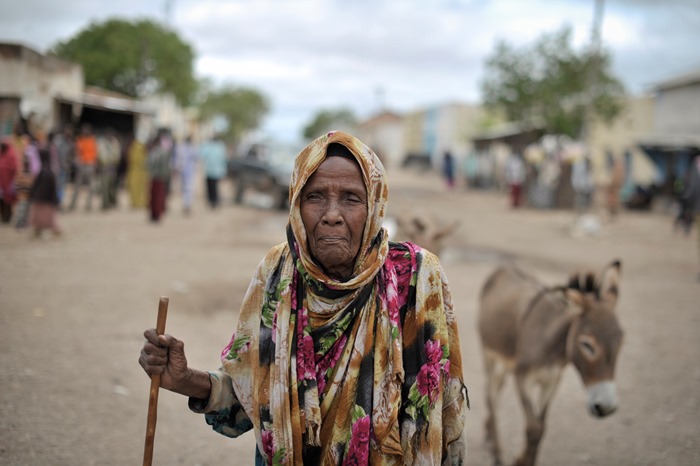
72 312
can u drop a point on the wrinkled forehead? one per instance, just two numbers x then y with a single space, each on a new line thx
373 176
337 144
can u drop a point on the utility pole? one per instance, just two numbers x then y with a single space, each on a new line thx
593 68
168 12
379 98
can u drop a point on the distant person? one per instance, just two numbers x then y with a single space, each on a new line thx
159 160
213 156
692 196
8 172
19 141
65 154
43 198
109 151
471 170
582 182
137 182
86 153
123 165
28 169
448 169
616 173
514 175
186 163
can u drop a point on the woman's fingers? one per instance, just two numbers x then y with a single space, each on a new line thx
154 355
159 340
165 355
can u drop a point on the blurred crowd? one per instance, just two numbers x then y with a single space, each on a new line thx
552 175
42 175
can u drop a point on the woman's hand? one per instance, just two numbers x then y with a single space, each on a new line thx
165 355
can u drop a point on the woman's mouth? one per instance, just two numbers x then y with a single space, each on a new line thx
331 239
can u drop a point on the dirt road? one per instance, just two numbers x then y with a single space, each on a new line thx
72 312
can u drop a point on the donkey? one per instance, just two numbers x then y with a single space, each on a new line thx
421 228
533 331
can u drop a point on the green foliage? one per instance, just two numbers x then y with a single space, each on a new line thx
327 120
238 343
357 413
133 57
278 457
329 339
272 298
242 108
550 85
417 403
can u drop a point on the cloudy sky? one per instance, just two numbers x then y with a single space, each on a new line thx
307 55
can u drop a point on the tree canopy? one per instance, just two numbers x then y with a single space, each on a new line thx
242 109
550 85
133 57
326 120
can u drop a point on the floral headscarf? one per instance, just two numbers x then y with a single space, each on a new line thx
374 240
356 372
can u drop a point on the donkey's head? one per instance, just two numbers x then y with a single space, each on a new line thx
425 230
595 336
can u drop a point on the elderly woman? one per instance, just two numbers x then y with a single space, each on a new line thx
346 350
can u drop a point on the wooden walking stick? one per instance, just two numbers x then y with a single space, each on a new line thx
155 385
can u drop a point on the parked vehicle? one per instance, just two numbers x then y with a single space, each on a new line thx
264 168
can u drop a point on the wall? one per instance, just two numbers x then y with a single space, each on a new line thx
635 122
441 127
36 80
677 110
384 134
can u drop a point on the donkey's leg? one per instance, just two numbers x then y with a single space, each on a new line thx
496 372
536 389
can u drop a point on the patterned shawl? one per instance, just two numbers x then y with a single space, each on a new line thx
367 370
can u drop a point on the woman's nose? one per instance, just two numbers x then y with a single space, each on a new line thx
332 214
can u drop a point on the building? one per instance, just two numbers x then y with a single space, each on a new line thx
45 93
434 130
675 136
29 84
620 140
384 134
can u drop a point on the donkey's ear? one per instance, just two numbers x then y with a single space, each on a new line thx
610 281
575 300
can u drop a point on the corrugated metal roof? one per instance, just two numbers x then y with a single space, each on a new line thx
679 81
670 141
106 100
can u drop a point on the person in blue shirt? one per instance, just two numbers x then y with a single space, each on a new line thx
213 158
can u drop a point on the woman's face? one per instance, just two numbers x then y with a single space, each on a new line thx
334 212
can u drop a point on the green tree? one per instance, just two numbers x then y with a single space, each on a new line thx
326 120
242 109
133 57
550 85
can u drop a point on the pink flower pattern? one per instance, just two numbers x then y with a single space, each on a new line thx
268 445
428 381
358 449
328 361
227 349
433 352
426 388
